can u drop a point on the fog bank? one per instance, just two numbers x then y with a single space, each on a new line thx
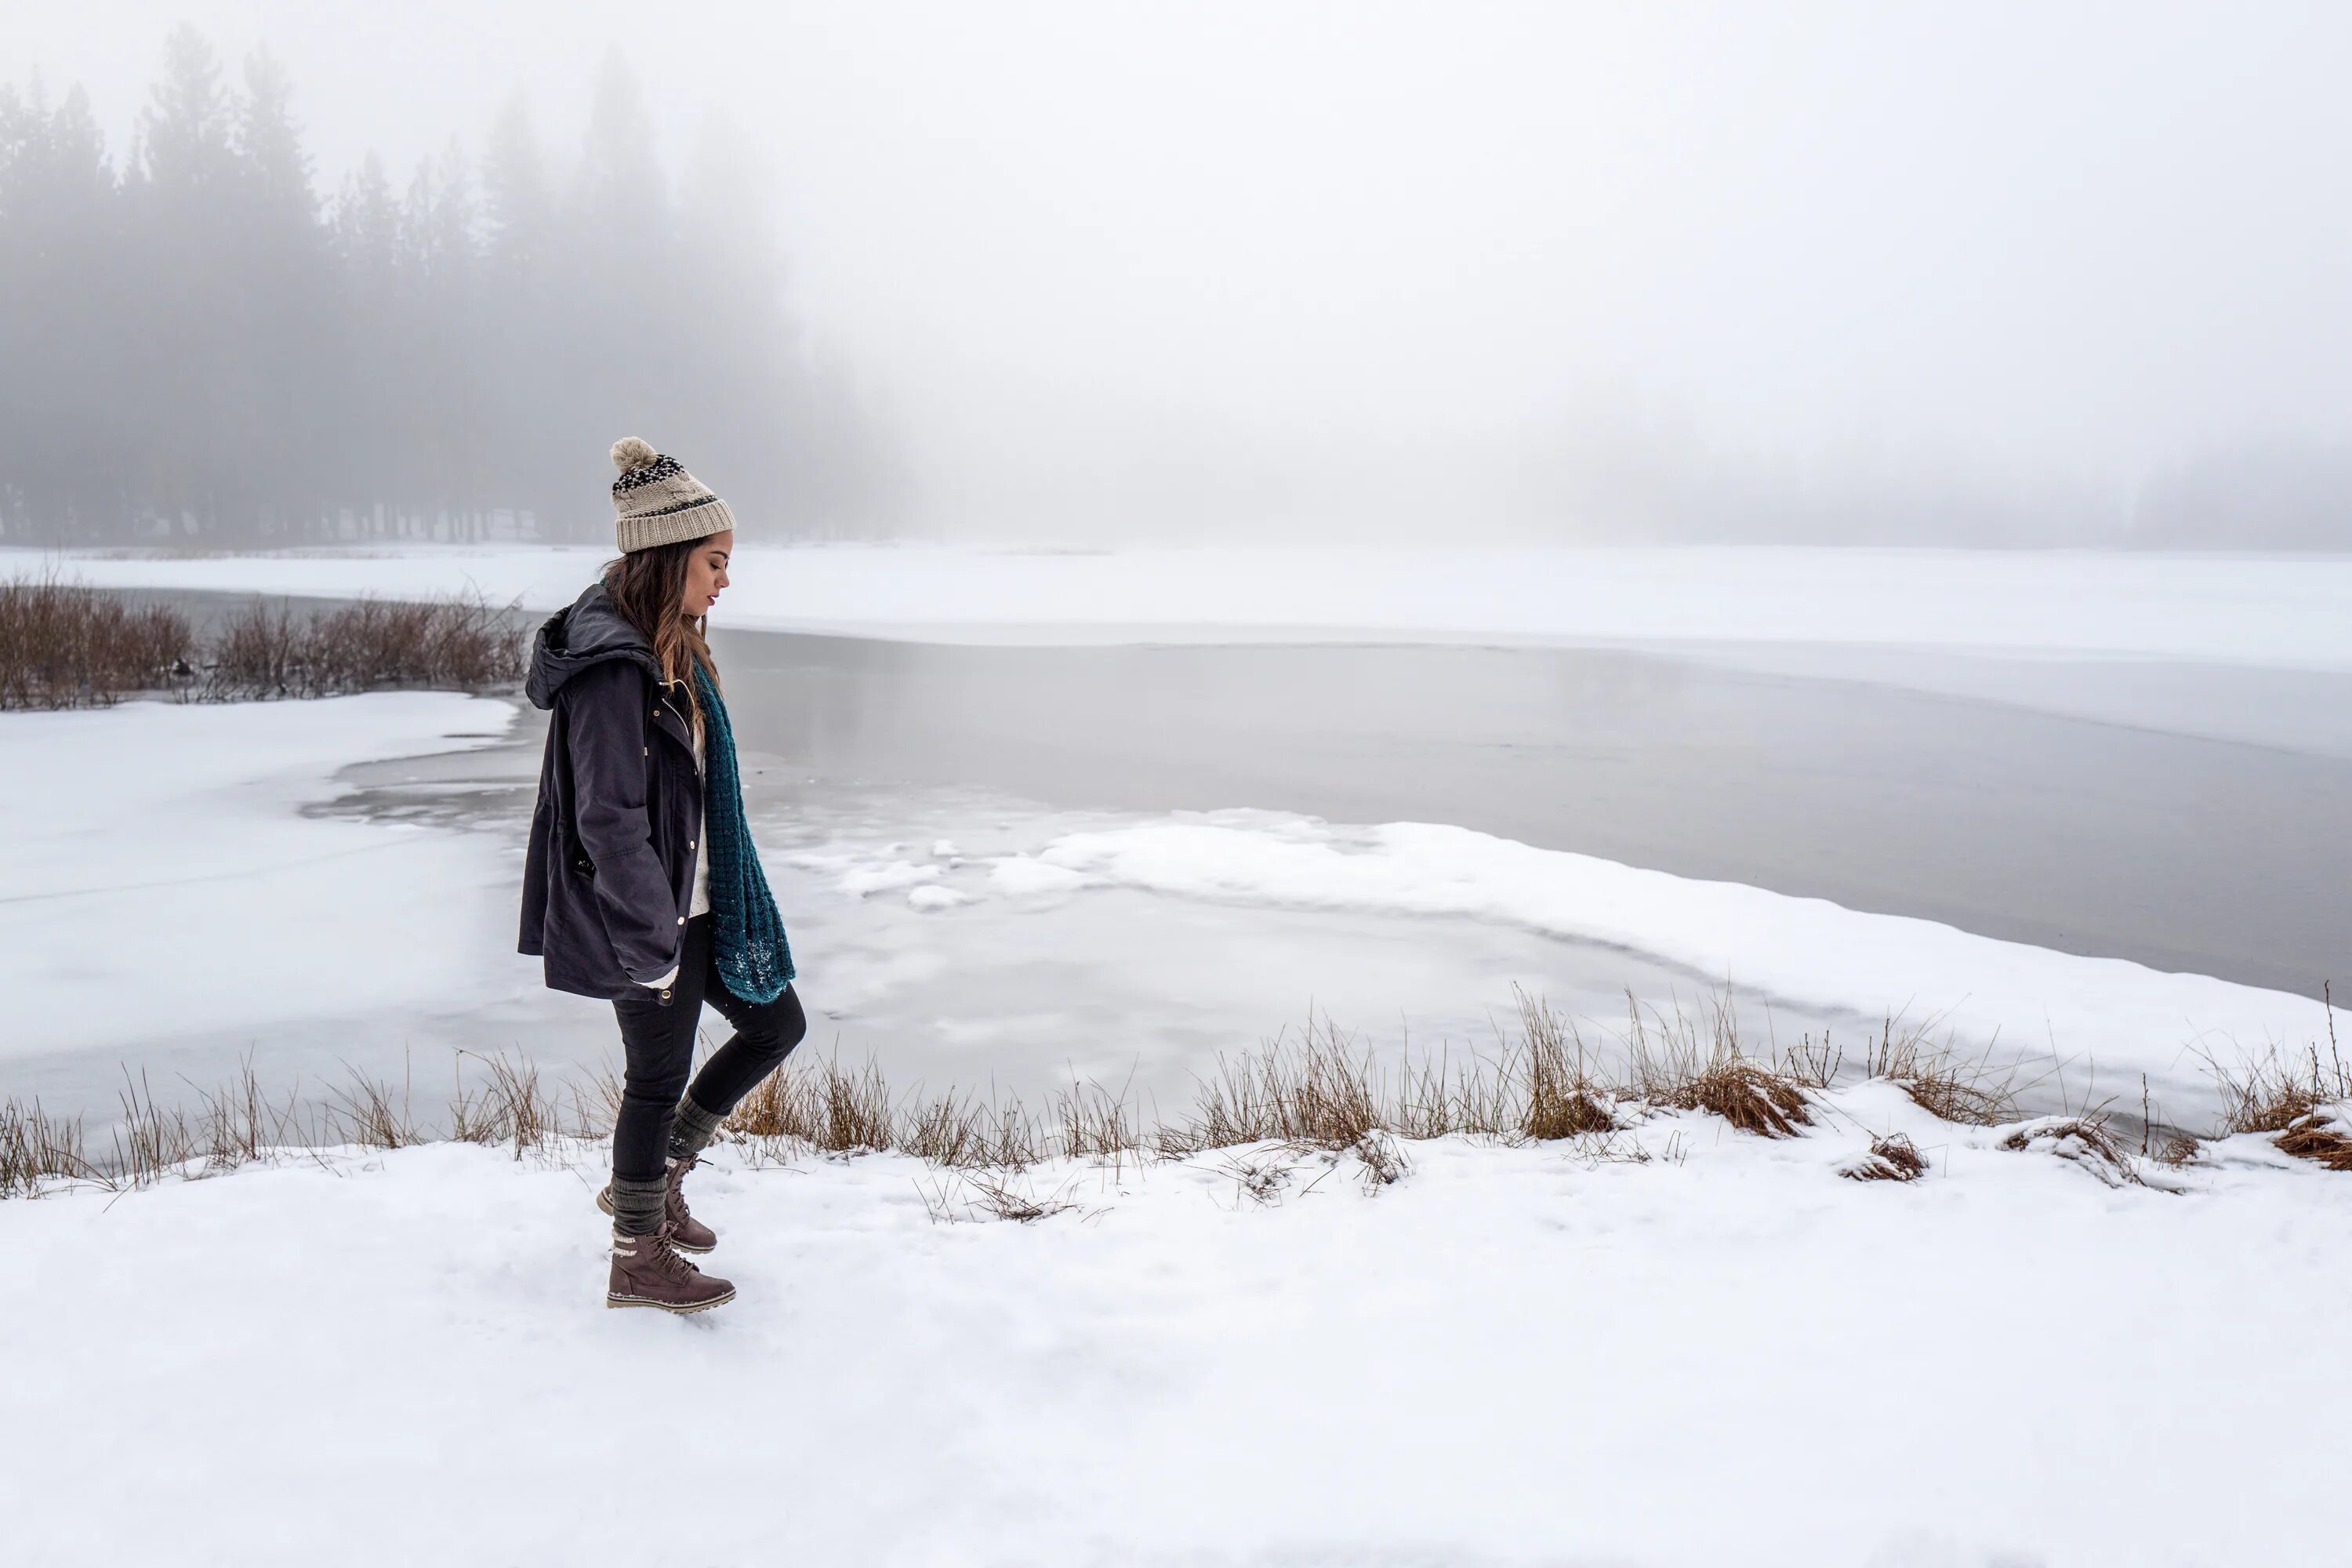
1988 273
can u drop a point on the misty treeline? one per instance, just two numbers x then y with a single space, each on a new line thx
202 345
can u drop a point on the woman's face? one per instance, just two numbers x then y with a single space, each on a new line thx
706 572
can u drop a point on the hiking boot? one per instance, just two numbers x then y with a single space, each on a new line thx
647 1271
690 1234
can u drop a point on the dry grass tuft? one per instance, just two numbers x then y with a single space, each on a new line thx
987 1195
850 1112
1011 1197
1670 1064
1316 1093
1969 1093
1894 1158
237 1122
1320 1092
966 1132
511 1108
2314 1137
2295 1098
150 1139
1260 1177
2277 1091
1751 1097
2083 1140
1382 1161
1094 1125
817 1102
1677 1064
1563 1098
2292 1096
368 1113
35 1148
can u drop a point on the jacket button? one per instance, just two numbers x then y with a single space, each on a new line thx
649 750
681 920
690 844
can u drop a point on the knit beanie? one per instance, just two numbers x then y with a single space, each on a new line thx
657 501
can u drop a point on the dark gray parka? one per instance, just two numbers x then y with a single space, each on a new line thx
610 872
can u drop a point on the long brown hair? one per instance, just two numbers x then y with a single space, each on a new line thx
648 587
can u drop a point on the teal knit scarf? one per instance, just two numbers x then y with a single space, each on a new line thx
747 933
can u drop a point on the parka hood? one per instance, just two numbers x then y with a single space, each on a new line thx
590 632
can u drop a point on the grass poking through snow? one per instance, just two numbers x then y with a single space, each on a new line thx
1318 1096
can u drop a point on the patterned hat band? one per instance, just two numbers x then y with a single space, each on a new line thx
655 501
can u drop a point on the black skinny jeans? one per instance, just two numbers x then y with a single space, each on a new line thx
657 1042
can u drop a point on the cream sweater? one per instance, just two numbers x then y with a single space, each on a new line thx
700 903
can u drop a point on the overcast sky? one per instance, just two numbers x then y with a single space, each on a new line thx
1323 261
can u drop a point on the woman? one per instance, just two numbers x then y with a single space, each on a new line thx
641 884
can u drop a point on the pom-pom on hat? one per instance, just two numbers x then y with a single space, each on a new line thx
657 501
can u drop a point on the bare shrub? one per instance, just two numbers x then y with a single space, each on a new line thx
2082 1140
448 643
260 653
63 645
453 643
1893 1158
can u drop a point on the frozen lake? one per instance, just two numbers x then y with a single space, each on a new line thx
2179 814
2188 818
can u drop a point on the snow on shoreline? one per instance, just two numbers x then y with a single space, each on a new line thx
1726 1355
2108 1020
2210 609
171 881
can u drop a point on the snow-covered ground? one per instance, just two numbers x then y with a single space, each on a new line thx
2282 611
1724 1355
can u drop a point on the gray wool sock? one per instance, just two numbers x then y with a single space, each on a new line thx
693 1130
637 1205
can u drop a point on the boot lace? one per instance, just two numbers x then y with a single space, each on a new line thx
669 1258
675 1197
